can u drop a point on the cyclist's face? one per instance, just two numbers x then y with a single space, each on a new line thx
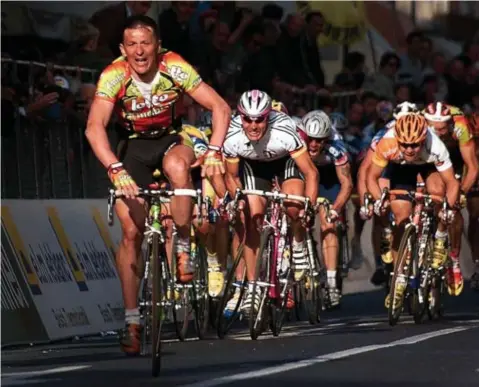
315 146
254 128
140 46
440 128
410 151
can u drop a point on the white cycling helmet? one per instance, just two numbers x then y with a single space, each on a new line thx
254 103
317 124
437 112
405 108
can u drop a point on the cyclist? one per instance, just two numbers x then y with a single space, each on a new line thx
145 88
381 230
452 127
335 184
473 207
261 145
412 149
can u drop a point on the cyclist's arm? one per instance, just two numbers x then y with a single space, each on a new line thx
452 186
372 180
211 100
232 178
363 169
344 176
310 172
100 114
468 153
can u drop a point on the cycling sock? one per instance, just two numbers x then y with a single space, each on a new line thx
440 235
298 246
183 245
331 274
132 316
212 259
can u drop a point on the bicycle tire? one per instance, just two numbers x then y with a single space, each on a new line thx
223 326
419 307
395 313
312 296
201 299
278 313
156 304
181 306
258 320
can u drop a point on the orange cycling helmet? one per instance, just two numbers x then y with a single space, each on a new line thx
474 124
411 129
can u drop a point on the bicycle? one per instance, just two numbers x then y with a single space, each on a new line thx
309 291
412 269
157 292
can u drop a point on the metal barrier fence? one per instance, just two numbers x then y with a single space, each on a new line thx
51 158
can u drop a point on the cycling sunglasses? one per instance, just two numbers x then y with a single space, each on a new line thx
258 120
406 145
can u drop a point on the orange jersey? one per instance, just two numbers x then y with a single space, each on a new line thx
432 152
161 105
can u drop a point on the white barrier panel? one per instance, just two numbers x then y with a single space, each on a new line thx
66 253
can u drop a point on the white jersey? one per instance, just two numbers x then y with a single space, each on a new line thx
433 152
280 140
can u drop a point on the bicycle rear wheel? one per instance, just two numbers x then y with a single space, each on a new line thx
406 251
310 287
258 319
201 299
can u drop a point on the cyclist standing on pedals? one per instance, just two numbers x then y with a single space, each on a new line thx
145 88
381 229
452 127
332 162
473 207
408 150
262 145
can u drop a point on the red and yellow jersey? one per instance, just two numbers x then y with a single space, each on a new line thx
460 133
163 103
433 151
279 106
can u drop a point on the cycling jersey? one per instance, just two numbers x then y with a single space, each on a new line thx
280 140
333 153
148 107
432 152
279 107
376 138
269 158
195 138
370 132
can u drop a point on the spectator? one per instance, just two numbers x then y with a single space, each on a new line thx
110 20
382 83
402 93
175 29
312 75
425 52
352 76
429 89
289 48
355 113
369 101
438 68
456 82
411 65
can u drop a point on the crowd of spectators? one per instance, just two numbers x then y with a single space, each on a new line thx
233 49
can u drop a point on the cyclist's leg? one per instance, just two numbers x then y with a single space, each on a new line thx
329 188
176 166
291 182
357 256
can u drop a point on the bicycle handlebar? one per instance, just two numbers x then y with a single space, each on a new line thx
158 193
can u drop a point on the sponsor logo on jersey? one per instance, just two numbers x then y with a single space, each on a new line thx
161 100
178 74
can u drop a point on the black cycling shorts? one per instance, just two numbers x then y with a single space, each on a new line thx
406 176
260 174
141 156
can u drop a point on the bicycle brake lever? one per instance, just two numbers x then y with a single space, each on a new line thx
111 204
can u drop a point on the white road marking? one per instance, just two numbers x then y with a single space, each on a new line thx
28 377
322 359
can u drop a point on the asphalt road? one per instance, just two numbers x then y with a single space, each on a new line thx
353 346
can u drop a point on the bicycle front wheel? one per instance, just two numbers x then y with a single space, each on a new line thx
406 252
